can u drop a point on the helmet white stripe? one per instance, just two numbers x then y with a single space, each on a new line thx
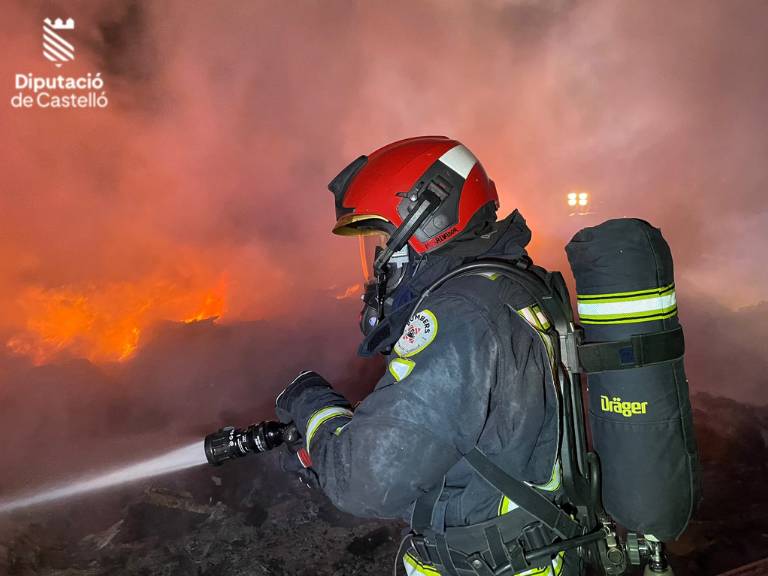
459 159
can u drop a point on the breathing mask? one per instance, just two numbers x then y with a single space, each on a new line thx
379 285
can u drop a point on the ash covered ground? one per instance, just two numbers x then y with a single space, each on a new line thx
251 518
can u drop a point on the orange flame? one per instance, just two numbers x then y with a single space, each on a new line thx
350 292
213 306
105 323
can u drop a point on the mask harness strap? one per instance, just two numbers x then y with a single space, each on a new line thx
428 203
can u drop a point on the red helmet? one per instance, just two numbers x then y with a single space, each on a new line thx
423 191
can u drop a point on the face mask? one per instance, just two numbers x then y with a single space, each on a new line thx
395 272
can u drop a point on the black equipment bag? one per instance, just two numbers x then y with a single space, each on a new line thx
639 408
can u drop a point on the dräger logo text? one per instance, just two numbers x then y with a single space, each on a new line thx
626 409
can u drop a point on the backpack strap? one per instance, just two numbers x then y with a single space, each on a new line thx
525 496
634 352
549 292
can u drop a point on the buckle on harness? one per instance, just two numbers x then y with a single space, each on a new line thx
535 536
515 562
570 342
419 543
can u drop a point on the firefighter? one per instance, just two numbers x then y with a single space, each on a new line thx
468 369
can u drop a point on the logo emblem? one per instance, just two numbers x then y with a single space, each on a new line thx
616 405
418 334
55 47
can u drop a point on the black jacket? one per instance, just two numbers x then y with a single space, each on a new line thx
466 370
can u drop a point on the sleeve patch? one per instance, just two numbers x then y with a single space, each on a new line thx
400 368
419 333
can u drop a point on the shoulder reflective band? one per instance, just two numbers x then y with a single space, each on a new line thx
628 307
635 352
322 416
400 368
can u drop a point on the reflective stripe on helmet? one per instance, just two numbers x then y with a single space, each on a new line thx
459 159
381 189
322 416
628 307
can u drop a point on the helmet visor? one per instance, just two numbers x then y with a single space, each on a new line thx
370 246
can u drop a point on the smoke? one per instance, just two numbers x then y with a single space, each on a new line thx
200 190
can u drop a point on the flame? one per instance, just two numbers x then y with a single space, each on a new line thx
105 323
214 306
353 290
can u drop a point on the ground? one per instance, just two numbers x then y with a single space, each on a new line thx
249 518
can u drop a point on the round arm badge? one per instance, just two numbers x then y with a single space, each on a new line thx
418 334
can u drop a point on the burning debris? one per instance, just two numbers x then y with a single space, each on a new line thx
105 323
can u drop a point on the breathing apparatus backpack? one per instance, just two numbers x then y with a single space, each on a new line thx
640 412
643 472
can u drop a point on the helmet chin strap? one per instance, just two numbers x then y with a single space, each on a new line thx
428 203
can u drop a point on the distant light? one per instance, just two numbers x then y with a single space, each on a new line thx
579 202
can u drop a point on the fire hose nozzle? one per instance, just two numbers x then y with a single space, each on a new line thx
229 443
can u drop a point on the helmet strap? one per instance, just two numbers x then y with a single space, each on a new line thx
428 203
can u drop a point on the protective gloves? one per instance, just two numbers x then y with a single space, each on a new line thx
291 461
307 393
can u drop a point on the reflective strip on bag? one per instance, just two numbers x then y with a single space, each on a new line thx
322 416
628 307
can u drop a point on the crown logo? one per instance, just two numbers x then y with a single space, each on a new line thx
60 24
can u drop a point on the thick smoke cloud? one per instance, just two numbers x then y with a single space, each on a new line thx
200 191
